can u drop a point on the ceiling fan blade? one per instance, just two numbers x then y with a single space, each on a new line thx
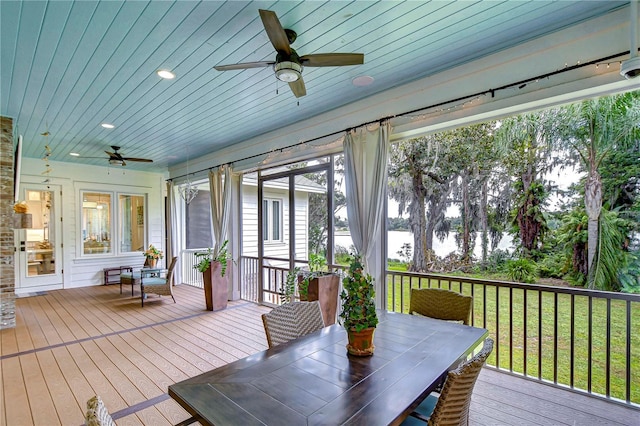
141 160
114 155
275 31
332 59
243 66
297 87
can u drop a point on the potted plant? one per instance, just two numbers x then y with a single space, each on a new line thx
321 285
358 314
152 254
213 265
288 289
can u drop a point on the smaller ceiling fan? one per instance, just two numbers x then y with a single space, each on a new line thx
288 64
116 158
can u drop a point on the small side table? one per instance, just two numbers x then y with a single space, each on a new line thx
112 275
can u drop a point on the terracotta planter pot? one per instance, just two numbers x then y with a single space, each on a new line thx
152 263
325 290
215 287
361 342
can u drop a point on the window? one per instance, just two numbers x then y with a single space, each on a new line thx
98 227
271 220
198 220
132 221
96 223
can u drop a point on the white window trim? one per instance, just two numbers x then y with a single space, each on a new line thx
268 239
115 224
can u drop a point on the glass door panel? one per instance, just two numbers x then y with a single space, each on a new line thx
40 256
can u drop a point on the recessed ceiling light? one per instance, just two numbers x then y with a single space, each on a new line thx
363 80
75 154
107 125
166 74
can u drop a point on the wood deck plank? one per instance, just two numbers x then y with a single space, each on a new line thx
77 382
129 368
48 329
64 401
120 381
111 346
100 384
169 355
74 318
32 324
15 405
41 403
558 403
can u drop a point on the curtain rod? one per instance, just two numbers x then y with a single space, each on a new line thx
519 84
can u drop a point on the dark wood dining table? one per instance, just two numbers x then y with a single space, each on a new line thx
313 381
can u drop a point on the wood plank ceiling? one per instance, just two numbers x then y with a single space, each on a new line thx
67 66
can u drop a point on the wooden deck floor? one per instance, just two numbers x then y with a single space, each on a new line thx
71 344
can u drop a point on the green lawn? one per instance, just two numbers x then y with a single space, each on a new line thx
503 329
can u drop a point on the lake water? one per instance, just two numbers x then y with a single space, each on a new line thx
395 240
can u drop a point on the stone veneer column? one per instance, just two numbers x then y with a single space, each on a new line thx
7 278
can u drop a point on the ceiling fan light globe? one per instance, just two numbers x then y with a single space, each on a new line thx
287 71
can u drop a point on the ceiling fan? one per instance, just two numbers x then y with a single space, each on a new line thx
116 158
288 64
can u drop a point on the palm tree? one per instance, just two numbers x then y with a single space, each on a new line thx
598 127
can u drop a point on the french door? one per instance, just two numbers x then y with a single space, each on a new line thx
39 248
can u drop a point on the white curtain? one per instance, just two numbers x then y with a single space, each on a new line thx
365 158
172 225
220 202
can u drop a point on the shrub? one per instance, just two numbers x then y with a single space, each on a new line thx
497 260
522 270
629 274
553 266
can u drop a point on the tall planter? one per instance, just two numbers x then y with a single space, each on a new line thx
215 287
324 288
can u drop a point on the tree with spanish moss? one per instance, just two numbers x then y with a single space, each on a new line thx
530 144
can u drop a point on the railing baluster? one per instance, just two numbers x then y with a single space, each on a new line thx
510 328
524 334
572 343
628 378
555 338
539 335
473 305
484 306
608 351
497 343
589 340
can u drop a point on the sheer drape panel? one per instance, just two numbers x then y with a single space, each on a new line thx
172 228
365 155
220 202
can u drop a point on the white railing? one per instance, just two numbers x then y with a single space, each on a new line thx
190 275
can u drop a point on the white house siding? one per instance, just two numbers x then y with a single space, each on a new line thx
250 223
81 271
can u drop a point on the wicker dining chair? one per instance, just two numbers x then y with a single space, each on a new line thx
97 413
162 286
441 304
452 407
292 320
